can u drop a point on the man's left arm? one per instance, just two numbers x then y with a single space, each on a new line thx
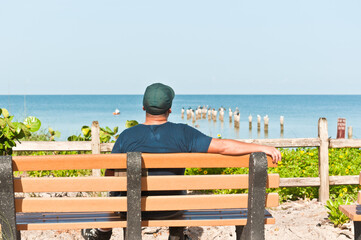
233 147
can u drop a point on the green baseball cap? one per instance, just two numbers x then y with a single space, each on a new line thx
158 98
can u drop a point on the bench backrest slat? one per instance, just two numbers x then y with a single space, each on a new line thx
154 203
151 183
118 161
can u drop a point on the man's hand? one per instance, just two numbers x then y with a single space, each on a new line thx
273 152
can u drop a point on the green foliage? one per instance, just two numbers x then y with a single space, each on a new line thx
131 123
32 123
302 162
14 131
53 134
334 213
105 134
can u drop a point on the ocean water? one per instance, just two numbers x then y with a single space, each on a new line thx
68 113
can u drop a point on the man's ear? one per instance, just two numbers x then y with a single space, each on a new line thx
170 110
143 108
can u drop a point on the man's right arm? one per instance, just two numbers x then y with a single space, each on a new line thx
233 147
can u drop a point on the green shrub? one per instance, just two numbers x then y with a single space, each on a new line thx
302 162
14 131
334 213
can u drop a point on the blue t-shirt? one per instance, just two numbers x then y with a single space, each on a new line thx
164 138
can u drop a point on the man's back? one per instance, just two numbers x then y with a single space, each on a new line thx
163 138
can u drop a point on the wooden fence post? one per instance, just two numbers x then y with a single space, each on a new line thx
95 143
324 191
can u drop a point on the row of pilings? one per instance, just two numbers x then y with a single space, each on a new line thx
233 116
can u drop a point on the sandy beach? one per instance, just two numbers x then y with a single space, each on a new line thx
295 220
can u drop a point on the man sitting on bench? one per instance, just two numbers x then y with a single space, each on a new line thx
157 135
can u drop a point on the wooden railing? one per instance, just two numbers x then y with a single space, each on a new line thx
322 142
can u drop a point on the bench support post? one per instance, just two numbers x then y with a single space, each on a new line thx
7 201
357 229
134 211
254 230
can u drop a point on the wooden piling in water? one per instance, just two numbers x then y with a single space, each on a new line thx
198 113
204 112
250 122
189 113
182 113
349 132
209 114
258 122
282 125
193 116
230 114
237 118
266 121
221 114
214 115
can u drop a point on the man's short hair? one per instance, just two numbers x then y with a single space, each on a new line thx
158 98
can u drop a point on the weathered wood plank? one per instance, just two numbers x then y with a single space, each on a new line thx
286 142
300 182
106 147
345 143
344 180
315 181
52 146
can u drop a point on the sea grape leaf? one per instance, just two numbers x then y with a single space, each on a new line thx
5 112
25 130
51 131
57 134
86 131
108 130
130 123
32 123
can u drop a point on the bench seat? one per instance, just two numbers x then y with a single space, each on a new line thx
49 221
245 211
350 212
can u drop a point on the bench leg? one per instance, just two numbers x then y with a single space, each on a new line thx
357 228
239 231
7 206
254 230
134 211
176 233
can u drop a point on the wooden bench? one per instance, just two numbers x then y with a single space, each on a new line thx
34 213
354 213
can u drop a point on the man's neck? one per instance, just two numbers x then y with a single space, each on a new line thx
155 119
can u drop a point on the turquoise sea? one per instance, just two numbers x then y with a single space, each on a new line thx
68 113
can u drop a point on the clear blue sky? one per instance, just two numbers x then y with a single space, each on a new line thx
197 47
